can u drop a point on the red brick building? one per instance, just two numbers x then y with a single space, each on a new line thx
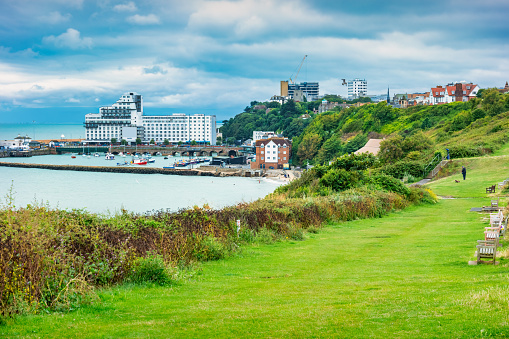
272 153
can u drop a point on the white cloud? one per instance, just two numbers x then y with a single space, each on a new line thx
247 18
71 39
127 7
73 100
150 19
56 18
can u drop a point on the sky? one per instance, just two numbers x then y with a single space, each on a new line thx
62 59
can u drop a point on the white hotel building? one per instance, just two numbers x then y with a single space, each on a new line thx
125 120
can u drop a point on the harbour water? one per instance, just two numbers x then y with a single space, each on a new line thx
108 193
67 159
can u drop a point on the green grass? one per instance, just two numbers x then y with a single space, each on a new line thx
404 276
481 173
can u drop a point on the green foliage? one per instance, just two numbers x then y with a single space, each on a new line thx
210 248
152 141
113 140
166 142
150 269
403 168
390 184
123 142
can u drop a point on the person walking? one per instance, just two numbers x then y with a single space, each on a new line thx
464 172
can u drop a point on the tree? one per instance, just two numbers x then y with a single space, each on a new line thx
391 150
219 140
138 141
193 143
309 147
179 143
123 142
152 141
230 141
113 140
166 142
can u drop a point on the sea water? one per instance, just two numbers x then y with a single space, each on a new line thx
110 192
42 131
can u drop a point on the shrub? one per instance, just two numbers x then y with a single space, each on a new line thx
210 248
150 269
390 184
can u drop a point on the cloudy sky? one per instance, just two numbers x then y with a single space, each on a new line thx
61 59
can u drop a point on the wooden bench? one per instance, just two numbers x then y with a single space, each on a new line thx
496 218
494 203
492 234
486 249
502 184
490 189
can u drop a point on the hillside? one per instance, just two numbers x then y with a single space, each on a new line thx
471 128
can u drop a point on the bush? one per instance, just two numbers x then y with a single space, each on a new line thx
210 248
150 269
390 184
400 169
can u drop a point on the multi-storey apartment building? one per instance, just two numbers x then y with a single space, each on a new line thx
357 88
310 90
272 153
125 120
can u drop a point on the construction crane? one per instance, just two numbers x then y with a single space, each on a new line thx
292 81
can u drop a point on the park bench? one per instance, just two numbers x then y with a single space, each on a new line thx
503 183
492 234
494 203
486 249
496 218
490 189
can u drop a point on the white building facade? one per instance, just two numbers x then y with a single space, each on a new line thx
357 88
125 120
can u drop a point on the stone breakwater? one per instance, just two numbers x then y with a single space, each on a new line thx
124 169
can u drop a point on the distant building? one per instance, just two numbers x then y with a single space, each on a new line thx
125 120
452 93
310 90
19 143
505 89
272 153
329 106
357 88
260 135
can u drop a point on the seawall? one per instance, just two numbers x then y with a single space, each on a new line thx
119 169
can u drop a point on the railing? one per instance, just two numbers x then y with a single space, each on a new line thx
434 172
432 164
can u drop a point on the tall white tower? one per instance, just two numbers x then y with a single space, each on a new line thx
357 88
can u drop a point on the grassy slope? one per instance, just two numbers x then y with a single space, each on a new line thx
405 275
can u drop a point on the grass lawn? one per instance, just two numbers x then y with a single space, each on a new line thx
404 276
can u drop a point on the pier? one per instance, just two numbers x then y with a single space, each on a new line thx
205 171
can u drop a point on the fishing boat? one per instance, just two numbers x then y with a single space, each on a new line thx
151 160
139 161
